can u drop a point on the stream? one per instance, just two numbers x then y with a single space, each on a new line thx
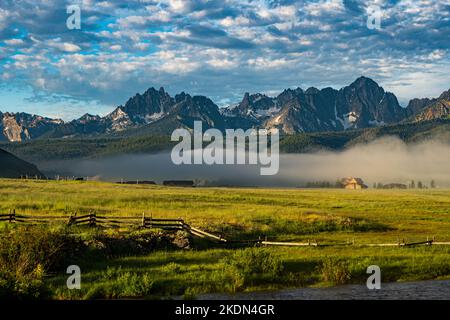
419 290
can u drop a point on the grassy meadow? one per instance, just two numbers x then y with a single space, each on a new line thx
332 217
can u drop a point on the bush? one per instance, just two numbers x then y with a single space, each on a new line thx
120 245
247 265
335 271
27 254
134 285
30 286
171 268
116 283
26 248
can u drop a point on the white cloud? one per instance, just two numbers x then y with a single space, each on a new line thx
266 63
68 47
4 14
436 55
116 47
132 20
420 83
312 42
222 64
142 45
324 7
235 22
178 6
286 12
14 42
175 64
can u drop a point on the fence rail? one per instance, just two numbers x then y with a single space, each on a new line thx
10 217
146 222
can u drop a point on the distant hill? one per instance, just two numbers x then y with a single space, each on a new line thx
436 130
13 167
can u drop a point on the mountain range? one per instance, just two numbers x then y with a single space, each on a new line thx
362 104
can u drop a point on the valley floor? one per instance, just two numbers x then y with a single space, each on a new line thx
332 217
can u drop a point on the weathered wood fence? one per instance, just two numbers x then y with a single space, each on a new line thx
93 219
146 222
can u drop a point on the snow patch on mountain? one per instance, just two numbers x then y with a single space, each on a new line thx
348 120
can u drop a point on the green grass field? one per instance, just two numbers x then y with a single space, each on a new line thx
328 216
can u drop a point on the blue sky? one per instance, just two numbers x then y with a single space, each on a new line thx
218 48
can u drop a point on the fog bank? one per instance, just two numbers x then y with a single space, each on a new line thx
386 160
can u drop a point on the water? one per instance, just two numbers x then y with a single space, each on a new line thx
420 290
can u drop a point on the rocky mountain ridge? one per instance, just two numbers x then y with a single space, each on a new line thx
362 104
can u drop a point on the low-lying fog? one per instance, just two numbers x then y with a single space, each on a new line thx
387 160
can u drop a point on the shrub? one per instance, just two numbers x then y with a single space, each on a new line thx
116 283
120 245
27 254
134 285
334 271
30 286
247 265
24 249
190 294
171 267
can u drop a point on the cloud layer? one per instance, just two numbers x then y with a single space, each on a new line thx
219 48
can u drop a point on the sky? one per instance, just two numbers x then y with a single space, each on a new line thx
217 48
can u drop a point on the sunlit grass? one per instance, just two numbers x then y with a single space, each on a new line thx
374 215
327 216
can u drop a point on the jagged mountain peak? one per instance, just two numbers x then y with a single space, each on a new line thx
312 90
149 106
363 81
361 104
89 117
292 91
152 91
254 107
22 126
445 95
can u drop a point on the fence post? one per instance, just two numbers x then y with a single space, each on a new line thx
143 219
11 215
181 222
92 219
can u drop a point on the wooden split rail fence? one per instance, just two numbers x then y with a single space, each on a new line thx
93 219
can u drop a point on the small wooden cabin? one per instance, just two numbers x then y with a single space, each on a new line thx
353 183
